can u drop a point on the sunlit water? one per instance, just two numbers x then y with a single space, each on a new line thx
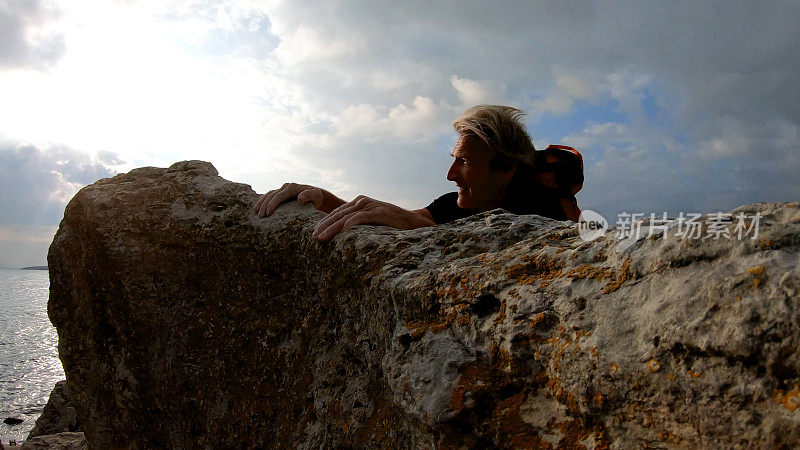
29 364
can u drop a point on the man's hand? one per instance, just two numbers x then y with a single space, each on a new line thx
321 199
364 210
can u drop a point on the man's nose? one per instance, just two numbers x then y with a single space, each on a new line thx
451 173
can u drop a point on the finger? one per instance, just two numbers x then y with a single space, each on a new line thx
346 222
258 202
331 230
356 204
288 192
363 217
311 195
334 216
262 209
261 204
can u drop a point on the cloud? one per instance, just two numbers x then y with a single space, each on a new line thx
674 104
667 101
25 38
36 183
569 89
472 92
603 134
638 168
407 123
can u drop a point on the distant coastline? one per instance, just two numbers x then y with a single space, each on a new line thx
34 268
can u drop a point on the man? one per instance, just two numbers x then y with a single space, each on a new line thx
494 167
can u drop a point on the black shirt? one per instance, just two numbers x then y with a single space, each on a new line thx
541 201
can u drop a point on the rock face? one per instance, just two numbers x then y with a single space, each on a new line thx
185 321
58 415
57 441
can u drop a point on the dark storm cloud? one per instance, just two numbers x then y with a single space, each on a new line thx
35 184
20 46
719 59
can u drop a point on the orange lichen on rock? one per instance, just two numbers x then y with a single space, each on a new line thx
758 274
507 422
481 377
790 400
574 431
543 322
461 286
458 313
621 278
592 273
694 374
485 381
653 365
669 437
567 399
486 257
466 381
599 399
533 268
501 315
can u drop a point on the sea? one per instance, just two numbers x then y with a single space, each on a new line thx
29 364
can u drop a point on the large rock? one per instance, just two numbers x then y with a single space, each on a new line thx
58 415
185 321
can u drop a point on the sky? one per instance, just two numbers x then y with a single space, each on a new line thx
680 106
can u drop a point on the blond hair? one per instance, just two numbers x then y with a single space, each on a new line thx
501 129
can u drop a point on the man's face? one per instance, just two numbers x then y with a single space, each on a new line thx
479 186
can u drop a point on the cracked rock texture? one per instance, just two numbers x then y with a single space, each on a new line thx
58 415
185 321
57 441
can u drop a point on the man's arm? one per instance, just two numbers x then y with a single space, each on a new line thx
321 199
425 213
364 210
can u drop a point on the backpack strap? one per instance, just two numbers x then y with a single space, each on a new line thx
568 149
560 167
570 207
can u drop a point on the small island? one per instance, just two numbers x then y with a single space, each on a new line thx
35 268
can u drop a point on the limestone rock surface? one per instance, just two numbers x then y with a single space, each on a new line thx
57 441
185 321
58 415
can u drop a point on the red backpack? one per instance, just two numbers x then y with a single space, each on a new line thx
561 168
